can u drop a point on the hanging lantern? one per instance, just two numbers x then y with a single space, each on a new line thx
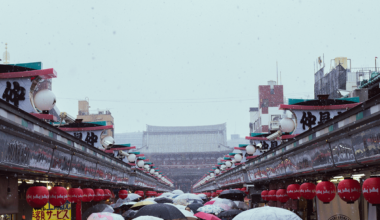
307 190
371 190
140 163
272 195
282 196
208 194
287 124
37 196
140 193
57 196
123 194
228 164
213 194
293 191
152 171
88 195
349 190
132 158
150 193
325 191
264 195
99 195
250 149
238 158
107 194
218 192
75 195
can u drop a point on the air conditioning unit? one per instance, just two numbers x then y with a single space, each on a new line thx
274 125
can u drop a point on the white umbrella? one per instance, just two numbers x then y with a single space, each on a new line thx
189 198
147 217
210 209
150 200
133 196
105 215
267 213
167 194
188 215
203 196
177 191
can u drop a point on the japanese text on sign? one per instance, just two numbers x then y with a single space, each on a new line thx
50 212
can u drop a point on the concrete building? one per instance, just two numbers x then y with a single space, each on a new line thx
98 115
236 140
133 138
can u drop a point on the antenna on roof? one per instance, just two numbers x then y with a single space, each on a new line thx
277 71
6 55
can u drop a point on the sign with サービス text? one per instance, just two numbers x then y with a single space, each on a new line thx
50 212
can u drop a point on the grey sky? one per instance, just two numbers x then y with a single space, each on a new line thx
184 63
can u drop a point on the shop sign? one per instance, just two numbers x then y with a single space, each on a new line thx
92 138
16 92
307 119
50 212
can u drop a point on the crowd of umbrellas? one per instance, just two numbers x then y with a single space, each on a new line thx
185 206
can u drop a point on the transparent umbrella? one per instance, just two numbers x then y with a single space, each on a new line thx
211 209
267 213
241 205
105 215
97 209
189 198
225 204
133 196
177 191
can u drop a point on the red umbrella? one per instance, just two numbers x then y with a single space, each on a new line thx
206 216
210 202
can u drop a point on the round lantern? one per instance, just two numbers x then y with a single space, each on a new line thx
222 167
37 196
140 163
371 190
75 195
217 171
123 194
140 193
228 164
88 195
287 124
349 190
218 192
44 100
282 196
238 158
293 191
307 190
272 195
250 149
150 193
132 158
107 194
152 171
264 195
146 167
213 194
208 194
325 191
57 196
99 195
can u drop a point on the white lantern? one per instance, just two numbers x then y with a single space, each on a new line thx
140 163
159 176
287 124
238 158
233 161
223 167
146 167
156 173
107 142
228 164
131 158
212 175
217 171
44 100
250 149
151 171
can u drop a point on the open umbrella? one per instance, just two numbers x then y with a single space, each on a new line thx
129 214
180 202
209 202
211 209
163 200
225 204
105 215
206 216
189 198
267 213
150 200
188 215
233 194
177 192
141 204
97 209
194 207
167 194
146 217
228 215
241 205
133 196
160 210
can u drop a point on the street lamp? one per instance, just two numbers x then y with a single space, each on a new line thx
238 158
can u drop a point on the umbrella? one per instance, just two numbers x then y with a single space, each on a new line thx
206 216
163 200
188 215
228 215
225 204
180 202
167 194
133 196
209 202
150 200
121 202
189 198
177 192
267 213
96 209
211 209
232 194
139 205
129 214
241 205
203 196
146 217
105 215
194 207
160 210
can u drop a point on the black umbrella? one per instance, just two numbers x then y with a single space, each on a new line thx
233 194
163 200
161 211
97 208
129 214
194 207
229 214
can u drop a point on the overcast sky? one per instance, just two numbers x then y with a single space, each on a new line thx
184 63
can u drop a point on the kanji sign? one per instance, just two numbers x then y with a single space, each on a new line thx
307 119
90 137
50 212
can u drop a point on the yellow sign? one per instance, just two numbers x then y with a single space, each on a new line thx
49 212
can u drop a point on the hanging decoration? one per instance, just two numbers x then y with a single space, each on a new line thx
75 195
272 195
264 195
325 191
293 191
107 194
282 196
218 192
99 195
307 190
37 196
123 194
57 196
349 190
88 195
140 193
371 190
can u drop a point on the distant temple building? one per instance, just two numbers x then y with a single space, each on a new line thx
133 138
185 153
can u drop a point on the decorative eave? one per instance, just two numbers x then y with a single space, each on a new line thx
44 74
97 128
313 107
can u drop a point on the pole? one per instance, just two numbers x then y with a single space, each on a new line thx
375 65
78 213
277 71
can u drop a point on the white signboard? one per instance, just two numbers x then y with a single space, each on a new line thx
16 91
338 210
307 119
90 137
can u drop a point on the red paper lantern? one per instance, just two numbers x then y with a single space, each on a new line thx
208 194
107 194
99 195
213 194
218 192
282 196
272 195
88 195
307 190
349 190
293 191
75 195
264 195
123 194
140 193
150 193
37 196
325 191
371 190
57 196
